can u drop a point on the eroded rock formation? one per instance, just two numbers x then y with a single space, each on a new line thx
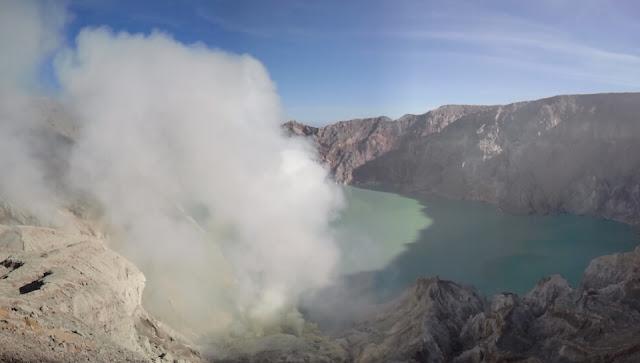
575 154
441 321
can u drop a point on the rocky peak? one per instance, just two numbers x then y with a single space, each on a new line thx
294 128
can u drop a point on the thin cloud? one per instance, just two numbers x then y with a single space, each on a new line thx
225 24
157 20
612 75
500 40
281 24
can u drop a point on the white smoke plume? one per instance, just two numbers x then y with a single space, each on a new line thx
29 32
181 145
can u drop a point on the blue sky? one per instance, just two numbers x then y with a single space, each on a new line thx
338 59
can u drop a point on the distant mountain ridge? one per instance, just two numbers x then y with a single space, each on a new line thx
564 154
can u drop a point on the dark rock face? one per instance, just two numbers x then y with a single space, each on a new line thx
576 154
424 324
440 321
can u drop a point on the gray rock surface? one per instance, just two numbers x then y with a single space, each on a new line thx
441 321
65 296
311 346
575 154
423 324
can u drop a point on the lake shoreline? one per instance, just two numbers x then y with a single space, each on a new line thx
491 243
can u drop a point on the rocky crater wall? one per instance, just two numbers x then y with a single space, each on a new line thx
566 154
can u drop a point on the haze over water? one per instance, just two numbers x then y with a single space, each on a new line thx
473 243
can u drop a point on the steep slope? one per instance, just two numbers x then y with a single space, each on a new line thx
575 154
65 296
347 145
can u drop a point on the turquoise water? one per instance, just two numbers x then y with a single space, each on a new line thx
375 227
399 239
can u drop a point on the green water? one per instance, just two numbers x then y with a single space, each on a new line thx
400 239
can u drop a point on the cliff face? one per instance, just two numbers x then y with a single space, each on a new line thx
550 323
347 145
438 321
576 154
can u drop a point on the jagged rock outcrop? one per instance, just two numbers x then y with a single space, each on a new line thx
575 154
597 322
423 324
441 321
65 296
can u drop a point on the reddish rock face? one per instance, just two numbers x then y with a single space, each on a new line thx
347 145
566 154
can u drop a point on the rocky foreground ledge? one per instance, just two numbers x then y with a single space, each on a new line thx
65 296
442 321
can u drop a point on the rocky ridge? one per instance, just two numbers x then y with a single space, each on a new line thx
576 154
441 321
347 145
